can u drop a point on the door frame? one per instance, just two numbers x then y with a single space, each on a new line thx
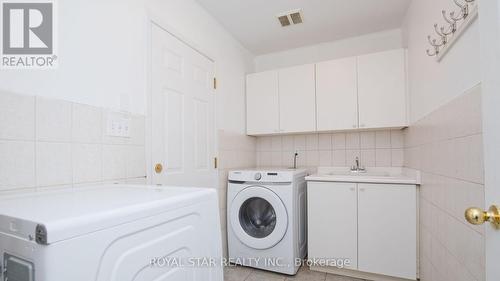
150 21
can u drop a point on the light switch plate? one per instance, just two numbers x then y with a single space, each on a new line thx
118 126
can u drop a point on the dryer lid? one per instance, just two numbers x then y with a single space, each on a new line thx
64 214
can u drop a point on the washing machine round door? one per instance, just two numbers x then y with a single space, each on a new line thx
258 217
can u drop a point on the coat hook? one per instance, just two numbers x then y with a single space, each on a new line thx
436 52
464 11
433 42
444 40
453 23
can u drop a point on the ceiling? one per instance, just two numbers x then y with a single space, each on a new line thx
254 22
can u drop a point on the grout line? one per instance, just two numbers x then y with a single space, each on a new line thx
453 216
449 177
457 259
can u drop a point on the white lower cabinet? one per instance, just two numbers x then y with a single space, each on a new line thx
374 225
332 216
387 229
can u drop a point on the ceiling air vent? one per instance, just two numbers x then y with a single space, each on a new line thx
290 17
284 21
296 18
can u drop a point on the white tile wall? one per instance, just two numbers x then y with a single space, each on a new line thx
375 148
53 164
53 120
87 163
17 117
87 124
446 146
17 164
237 151
46 144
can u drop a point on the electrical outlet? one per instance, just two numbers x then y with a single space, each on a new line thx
118 126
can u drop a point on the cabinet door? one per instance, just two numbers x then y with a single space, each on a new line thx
337 95
382 90
332 225
262 103
387 230
297 98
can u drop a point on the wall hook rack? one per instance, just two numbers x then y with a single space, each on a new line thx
456 22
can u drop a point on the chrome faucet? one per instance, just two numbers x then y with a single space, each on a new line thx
357 167
295 160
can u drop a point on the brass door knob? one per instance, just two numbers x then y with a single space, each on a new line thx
158 168
477 216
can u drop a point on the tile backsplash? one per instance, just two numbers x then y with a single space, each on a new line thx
374 148
446 146
47 143
236 151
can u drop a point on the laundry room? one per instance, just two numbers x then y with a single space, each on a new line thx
237 140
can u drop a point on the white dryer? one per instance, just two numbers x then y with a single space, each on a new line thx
266 216
111 233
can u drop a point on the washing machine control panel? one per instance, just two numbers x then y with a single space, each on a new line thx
269 176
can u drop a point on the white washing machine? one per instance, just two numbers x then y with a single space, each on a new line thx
266 216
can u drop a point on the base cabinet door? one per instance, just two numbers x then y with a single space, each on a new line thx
387 229
332 227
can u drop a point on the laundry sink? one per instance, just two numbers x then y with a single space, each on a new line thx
359 173
370 175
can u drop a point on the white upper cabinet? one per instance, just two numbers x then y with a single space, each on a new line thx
365 92
337 95
382 90
262 103
297 99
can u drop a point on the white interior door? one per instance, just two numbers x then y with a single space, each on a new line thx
183 113
489 21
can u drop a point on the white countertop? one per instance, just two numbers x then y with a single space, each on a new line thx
388 175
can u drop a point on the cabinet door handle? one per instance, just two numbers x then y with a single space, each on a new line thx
362 189
351 189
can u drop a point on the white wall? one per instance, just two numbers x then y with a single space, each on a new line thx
434 84
101 57
369 43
